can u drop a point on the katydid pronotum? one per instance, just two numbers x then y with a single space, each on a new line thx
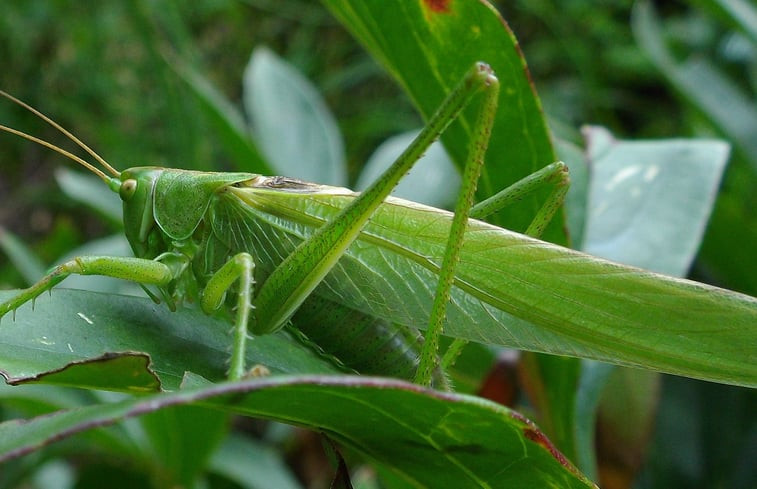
187 231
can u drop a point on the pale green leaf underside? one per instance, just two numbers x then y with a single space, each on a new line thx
510 290
650 200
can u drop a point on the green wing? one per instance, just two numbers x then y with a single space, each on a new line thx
510 290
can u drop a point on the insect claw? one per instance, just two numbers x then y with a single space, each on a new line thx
258 371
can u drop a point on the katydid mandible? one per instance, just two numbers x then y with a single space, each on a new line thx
192 238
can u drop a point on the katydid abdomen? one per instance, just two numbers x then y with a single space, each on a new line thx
361 342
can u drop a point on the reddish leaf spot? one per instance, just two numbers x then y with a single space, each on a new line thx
538 437
439 6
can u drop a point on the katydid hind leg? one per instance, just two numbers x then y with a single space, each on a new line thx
294 279
140 270
555 174
429 360
239 269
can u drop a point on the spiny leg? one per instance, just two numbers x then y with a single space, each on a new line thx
471 173
241 267
138 270
553 174
292 281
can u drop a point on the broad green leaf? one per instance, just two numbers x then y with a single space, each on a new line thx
446 440
551 382
182 439
29 401
626 417
433 181
98 340
592 381
291 123
427 46
649 201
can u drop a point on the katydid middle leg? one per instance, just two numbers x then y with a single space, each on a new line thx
239 268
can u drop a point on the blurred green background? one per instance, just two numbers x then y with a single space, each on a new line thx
100 69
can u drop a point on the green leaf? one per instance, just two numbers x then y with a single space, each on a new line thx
291 123
446 440
124 343
551 382
650 200
591 384
38 400
428 46
182 440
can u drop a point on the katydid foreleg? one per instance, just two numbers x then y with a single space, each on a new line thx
135 269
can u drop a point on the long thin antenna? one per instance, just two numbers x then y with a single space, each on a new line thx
57 126
62 151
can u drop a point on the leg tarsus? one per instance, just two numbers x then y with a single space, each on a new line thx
453 351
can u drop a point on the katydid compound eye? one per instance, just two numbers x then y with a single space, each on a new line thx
127 189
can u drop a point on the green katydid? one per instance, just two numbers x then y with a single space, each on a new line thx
200 235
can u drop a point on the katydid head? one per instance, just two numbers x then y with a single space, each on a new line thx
174 199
